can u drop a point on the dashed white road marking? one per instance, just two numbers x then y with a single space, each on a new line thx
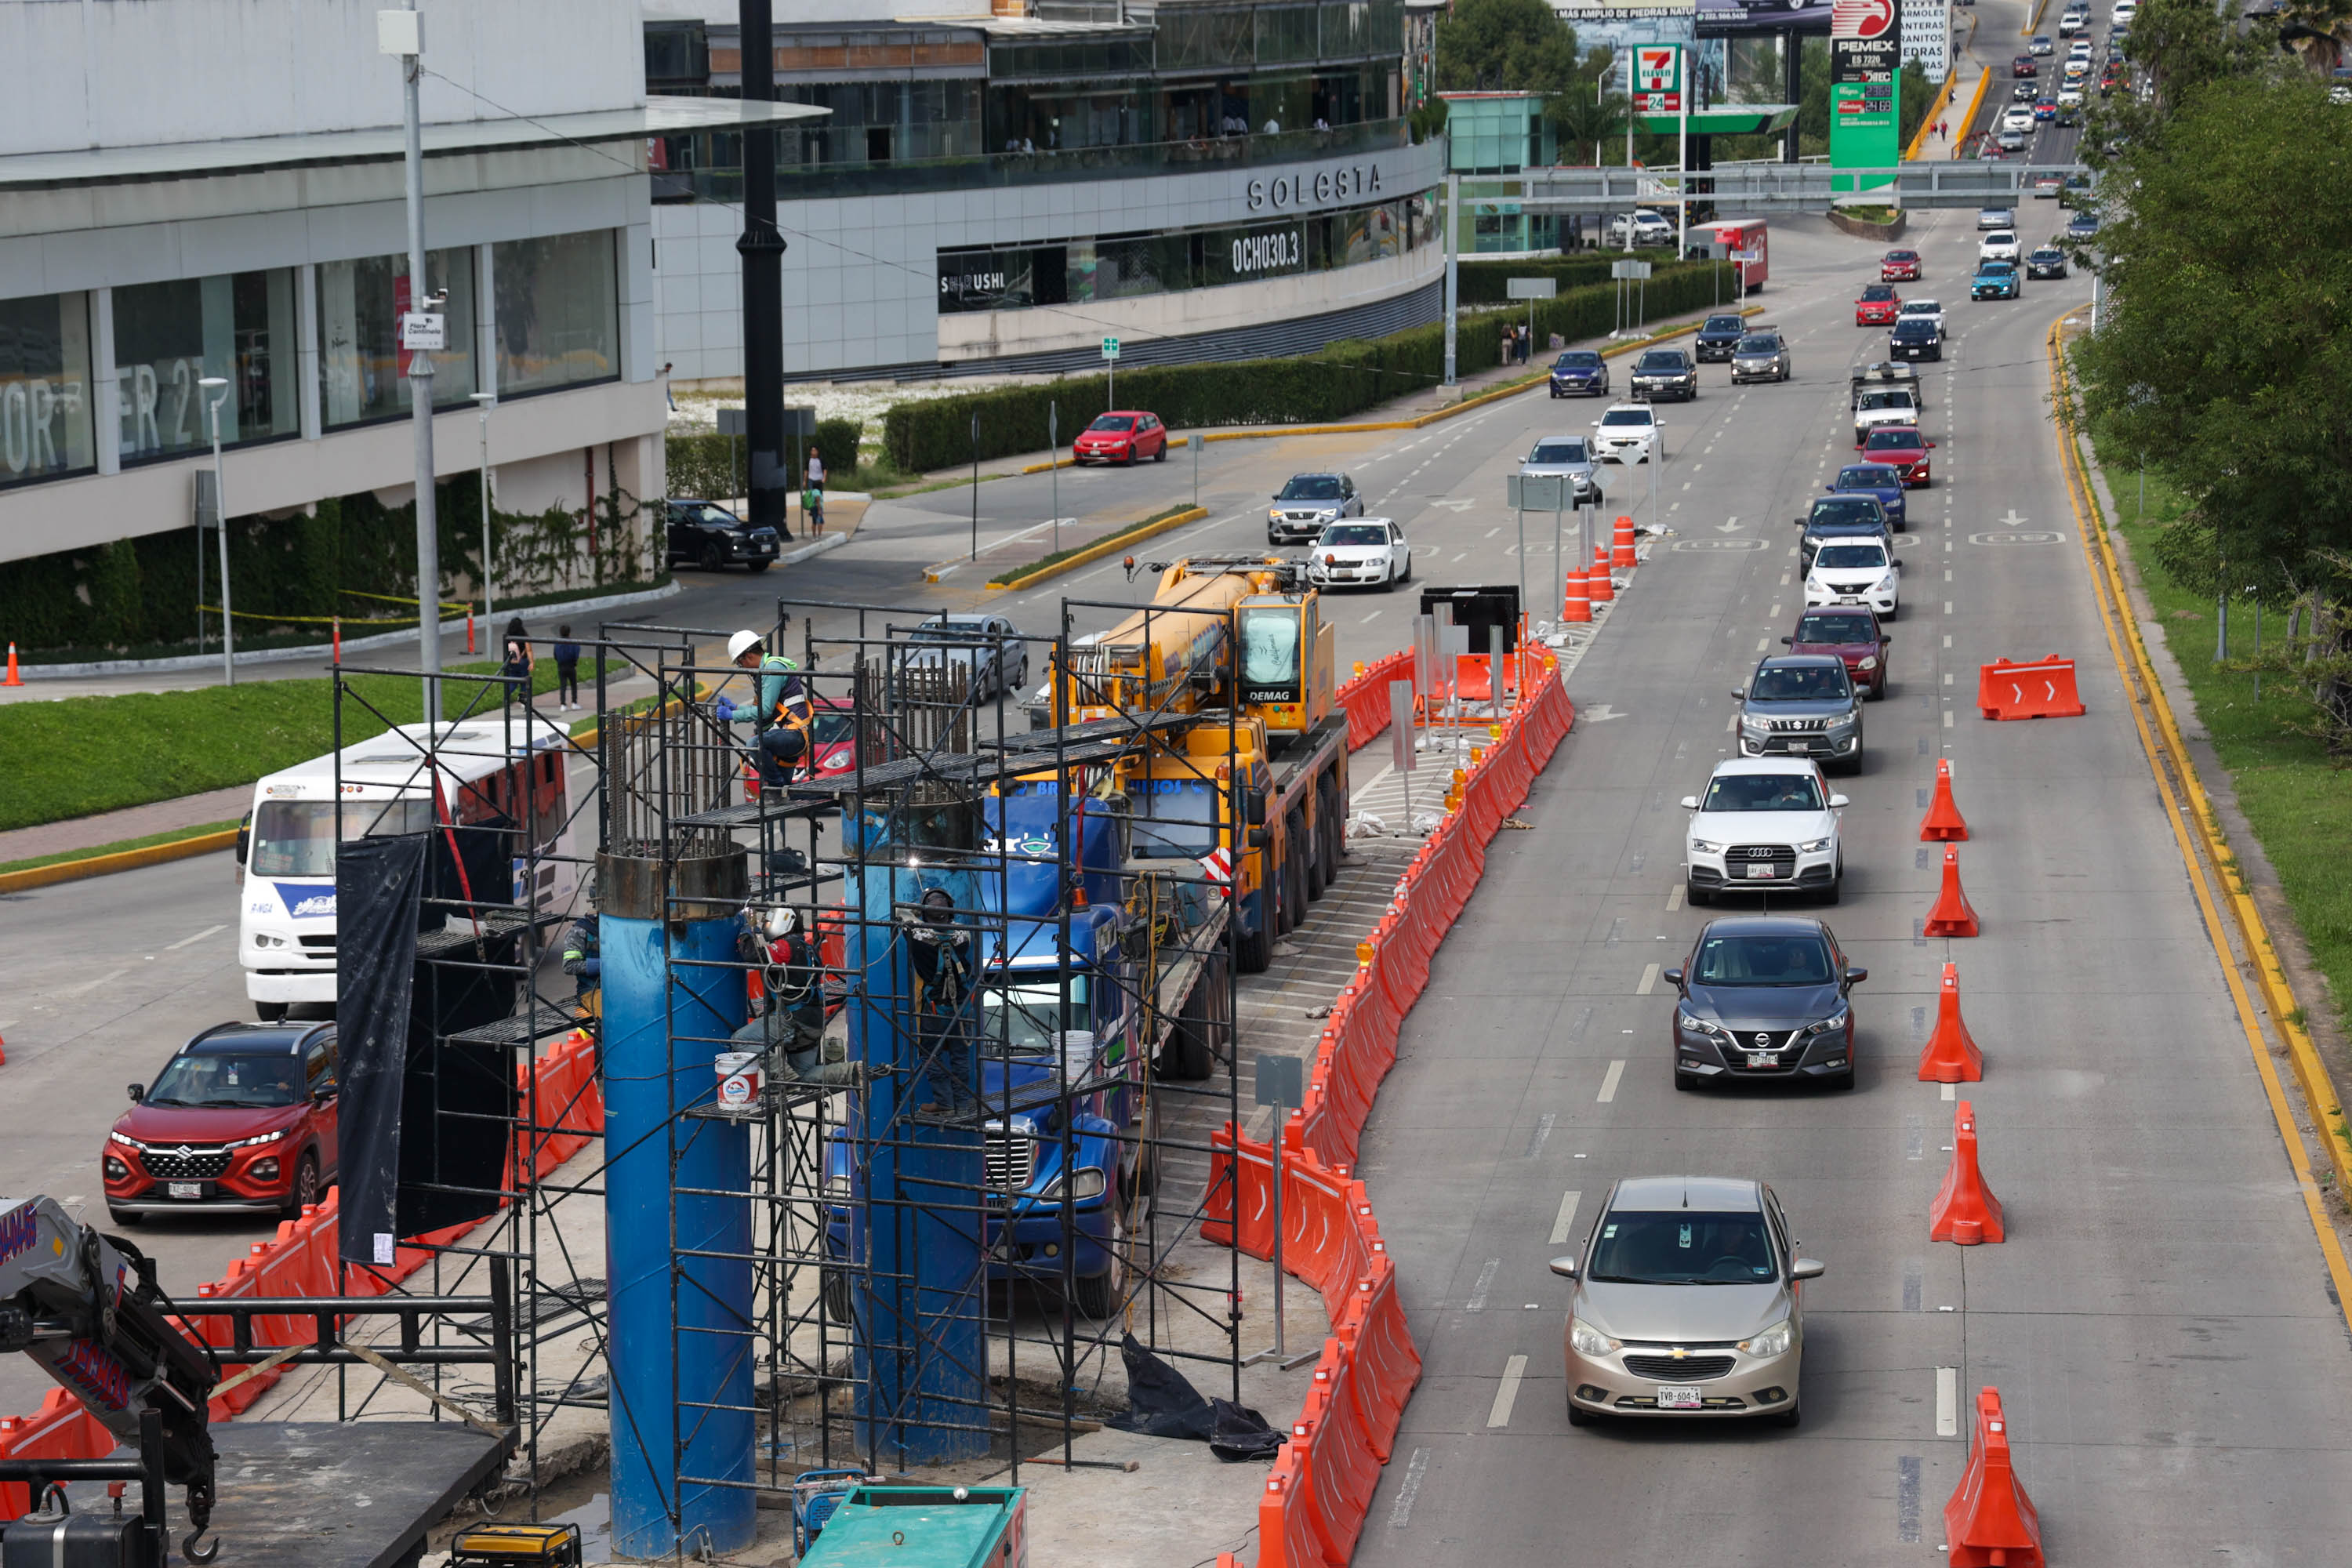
1566 1219
1649 981
1948 1402
185 940
1416 1467
1508 1394
1609 1081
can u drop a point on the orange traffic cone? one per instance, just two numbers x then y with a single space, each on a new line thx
1964 1211
13 678
1990 1520
1952 916
469 628
338 640
1604 590
1943 823
1576 603
1623 554
1951 1056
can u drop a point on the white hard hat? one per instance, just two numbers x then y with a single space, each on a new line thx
740 641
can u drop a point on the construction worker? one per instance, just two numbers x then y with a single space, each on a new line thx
939 952
782 720
583 960
788 1019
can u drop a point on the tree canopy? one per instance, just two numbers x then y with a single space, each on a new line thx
1506 46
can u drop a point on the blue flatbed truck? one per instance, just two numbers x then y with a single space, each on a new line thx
926 1527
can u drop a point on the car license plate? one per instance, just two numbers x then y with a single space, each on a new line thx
1762 1059
1760 873
1674 1396
187 1189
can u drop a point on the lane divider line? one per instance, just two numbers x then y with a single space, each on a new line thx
1566 1220
1508 1394
2148 697
1609 1082
1948 1402
1649 981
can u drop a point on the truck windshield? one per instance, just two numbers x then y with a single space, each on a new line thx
1023 1016
297 837
1270 649
1174 818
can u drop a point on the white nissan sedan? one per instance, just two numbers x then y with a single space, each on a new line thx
1359 551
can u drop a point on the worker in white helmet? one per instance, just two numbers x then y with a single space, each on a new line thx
788 1017
782 720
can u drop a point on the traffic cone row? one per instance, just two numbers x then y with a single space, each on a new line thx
1953 915
1965 1210
1951 1054
1943 824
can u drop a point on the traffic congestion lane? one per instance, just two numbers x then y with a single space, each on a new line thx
2112 1046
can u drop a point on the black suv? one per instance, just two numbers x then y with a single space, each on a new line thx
1802 705
1915 337
1665 373
709 536
1843 516
1718 336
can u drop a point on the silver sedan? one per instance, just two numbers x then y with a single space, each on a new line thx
1688 1302
1570 457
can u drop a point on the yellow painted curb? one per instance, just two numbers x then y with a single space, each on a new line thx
2318 1090
1101 548
1975 101
121 860
2034 21
1273 432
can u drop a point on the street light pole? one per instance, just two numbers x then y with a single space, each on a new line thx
484 402
402 33
216 394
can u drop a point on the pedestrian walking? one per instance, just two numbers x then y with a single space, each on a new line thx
516 663
567 670
665 386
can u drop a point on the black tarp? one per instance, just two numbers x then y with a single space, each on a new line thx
1161 1402
378 883
426 1121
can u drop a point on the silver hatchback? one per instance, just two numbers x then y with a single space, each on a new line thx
1688 1302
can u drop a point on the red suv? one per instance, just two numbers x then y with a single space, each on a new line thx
1122 436
1899 267
1853 633
241 1119
1878 306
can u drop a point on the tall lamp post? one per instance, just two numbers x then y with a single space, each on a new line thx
402 33
483 402
216 389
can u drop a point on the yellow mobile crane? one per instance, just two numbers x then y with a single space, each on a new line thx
1241 640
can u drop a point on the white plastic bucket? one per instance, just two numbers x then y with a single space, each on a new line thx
739 1079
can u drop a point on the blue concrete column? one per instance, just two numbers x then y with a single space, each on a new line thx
678 1344
921 1356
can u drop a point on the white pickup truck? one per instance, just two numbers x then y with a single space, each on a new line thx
1877 405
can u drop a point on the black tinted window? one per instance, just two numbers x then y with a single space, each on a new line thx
1682 1247
1836 629
1804 683
1759 959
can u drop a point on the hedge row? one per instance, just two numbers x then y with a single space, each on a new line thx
1342 380
716 467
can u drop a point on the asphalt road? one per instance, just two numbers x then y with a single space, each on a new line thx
2159 1323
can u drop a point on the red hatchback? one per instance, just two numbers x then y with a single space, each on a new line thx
1901 447
1878 306
1122 436
241 1119
1853 633
1899 267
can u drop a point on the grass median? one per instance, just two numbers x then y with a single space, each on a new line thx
2295 795
88 754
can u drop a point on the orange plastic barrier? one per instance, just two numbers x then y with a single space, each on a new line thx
2044 691
1950 1054
562 1095
1965 1211
1576 597
1953 915
1621 553
1316 1496
1364 696
1943 824
1600 587
1989 1522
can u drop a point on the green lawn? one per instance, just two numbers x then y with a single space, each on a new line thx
86 754
2298 799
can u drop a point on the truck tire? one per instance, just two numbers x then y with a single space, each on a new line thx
837 1295
1252 950
1203 1027
1098 1296
269 1012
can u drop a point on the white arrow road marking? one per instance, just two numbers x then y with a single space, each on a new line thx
1729 525
1599 713
1455 505
2012 520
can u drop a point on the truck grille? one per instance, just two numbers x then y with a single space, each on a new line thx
196 1165
1687 1369
1008 1160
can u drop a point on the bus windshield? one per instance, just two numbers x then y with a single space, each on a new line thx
297 837
1173 818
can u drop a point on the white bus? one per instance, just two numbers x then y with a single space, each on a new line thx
489 773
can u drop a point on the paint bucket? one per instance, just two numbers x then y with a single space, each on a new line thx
739 1079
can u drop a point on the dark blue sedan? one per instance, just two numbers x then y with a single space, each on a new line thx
1880 479
1579 372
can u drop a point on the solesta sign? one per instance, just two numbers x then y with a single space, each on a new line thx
1320 189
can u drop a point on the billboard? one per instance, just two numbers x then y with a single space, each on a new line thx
1751 18
1928 36
1866 66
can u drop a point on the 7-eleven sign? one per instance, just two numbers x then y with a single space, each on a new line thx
1657 79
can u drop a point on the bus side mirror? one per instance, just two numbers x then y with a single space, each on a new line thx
243 843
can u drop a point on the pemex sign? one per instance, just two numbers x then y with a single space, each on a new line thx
1865 69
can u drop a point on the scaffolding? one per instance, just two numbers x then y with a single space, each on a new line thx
853 1348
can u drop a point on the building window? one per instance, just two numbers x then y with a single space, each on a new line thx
169 336
360 361
44 388
559 311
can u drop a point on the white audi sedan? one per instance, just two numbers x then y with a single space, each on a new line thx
1766 824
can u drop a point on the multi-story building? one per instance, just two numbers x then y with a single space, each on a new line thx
195 189
994 191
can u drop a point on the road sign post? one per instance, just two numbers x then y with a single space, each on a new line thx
1404 741
1282 1085
1531 289
1110 373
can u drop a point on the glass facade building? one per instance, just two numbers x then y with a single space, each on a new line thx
46 413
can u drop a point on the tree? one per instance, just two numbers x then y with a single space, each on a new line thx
1589 113
2225 348
1505 45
